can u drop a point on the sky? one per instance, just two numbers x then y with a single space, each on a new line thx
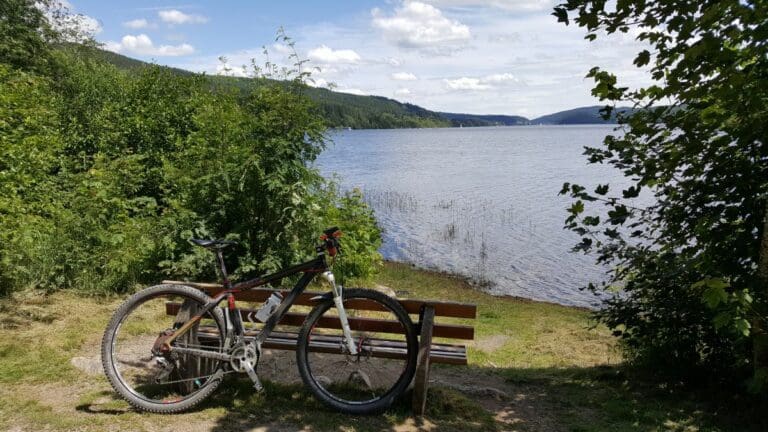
470 56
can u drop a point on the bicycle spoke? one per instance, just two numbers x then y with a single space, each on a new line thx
383 365
176 375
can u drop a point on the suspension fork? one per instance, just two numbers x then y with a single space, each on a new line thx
338 300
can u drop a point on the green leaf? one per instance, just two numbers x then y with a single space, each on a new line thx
576 208
642 58
714 296
742 326
561 14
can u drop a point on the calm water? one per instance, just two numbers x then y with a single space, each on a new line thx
482 202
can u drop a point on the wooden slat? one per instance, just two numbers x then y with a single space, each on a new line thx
451 331
442 308
199 285
439 353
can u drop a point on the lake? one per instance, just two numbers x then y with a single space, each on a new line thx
480 202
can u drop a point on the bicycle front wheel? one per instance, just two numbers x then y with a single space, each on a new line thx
169 382
371 380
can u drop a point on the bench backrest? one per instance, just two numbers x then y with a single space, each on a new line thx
412 306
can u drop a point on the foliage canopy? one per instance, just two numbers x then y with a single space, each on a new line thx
687 265
105 174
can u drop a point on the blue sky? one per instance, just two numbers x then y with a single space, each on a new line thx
476 56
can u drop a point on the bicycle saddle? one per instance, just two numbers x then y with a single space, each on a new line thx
212 244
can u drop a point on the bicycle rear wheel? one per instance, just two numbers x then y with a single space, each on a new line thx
170 382
371 380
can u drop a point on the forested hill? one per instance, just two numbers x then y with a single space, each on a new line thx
344 110
583 115
484 120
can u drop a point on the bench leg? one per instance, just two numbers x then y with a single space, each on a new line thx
421 381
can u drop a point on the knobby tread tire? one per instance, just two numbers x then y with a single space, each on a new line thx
397 390
109 367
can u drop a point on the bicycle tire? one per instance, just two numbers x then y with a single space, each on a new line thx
388 396
109 360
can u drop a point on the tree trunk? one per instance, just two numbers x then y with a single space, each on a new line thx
759 333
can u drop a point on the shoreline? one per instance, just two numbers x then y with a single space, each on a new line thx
478 288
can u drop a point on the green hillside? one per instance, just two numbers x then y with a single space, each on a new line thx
344 110
340 110
467 120
583 115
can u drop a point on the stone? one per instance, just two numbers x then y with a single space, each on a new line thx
360 377
89 365
385 290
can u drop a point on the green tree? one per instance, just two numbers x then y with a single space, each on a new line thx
688 265
105 174
23 33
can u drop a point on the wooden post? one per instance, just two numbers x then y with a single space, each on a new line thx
189 365
421 381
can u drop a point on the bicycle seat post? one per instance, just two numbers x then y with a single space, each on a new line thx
223 269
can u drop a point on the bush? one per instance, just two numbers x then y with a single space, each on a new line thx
692 270
105 175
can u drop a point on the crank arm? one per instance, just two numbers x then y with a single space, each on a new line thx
254 377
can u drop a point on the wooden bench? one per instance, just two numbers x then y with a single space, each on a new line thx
423 314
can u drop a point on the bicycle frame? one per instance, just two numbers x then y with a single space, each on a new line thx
232 314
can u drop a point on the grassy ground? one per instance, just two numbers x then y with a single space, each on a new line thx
556 373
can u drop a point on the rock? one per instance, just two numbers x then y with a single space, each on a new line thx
89 365
385 290
324 381
360 377
490 392
478 391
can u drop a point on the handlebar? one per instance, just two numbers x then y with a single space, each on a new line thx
330 241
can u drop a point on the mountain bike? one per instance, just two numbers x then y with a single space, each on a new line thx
166 363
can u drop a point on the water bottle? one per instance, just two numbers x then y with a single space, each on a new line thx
269 306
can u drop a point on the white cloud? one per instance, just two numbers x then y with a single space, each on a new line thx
402 92
325 55
510 5
87 24
419 25
481 83
319 82
78 27
174 16
136 24
465 83
500 78
403 76
282 48
143 45
354 91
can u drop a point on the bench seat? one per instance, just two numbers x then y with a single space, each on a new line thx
385 348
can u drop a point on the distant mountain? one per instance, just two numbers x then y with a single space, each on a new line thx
344 110
583 115
458 120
